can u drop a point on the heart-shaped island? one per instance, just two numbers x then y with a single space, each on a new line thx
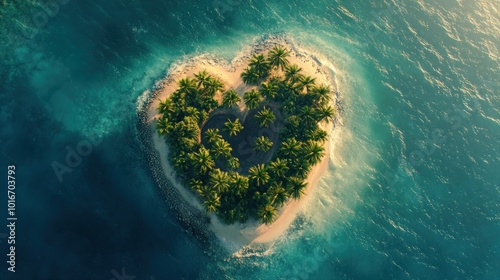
245 141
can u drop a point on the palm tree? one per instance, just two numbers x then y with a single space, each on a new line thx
252 99
212 203
306 82
239 183
190 144
277 57
288 106
307 114
267 214
233 127
250 76
279 194
186 85
221 148
165 107
202 160
213 86
202 77
322 94
290 147
230 98
269 90
163 126
188 128
212 135
193 113
219 180
259 174
297 187
260 64
266 117
263 143
233 163
314 152
292 73
319 135
326 113
203 190
198 187
302 168
279 167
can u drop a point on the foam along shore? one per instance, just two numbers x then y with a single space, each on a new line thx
237 235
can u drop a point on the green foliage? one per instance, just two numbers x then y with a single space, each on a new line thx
202 160
221 148
277 57
230 98
250 76
292 74
269 90
233 127
263 143
259 174
260 64
252 99
266 117
211 169
267 214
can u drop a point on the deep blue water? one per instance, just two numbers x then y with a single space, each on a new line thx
413 189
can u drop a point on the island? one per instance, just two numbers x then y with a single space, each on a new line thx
244 142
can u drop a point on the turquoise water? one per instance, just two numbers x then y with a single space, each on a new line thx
412 191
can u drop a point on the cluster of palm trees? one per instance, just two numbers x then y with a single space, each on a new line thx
212 171
260 66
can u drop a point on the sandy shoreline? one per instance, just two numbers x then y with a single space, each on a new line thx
238 235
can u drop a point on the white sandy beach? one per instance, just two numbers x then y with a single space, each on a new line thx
238 235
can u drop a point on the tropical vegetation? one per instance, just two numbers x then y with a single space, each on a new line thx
206 159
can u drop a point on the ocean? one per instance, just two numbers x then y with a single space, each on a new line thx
412 190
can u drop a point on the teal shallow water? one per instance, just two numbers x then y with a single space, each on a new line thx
413 189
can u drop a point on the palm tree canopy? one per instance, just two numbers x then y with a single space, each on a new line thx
291 147
186 85
213 86
219 180
221 148
263 143
230 98
322 93
277 57
165 107
252 99
260 64
202 160
202 77
279 194
269 90
267 214
266 117
163 126
279 167
233 163
292 73
326 113
314 152
259 174
233 127
212 135
297 187
239 183
250 76
212 203
307 82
